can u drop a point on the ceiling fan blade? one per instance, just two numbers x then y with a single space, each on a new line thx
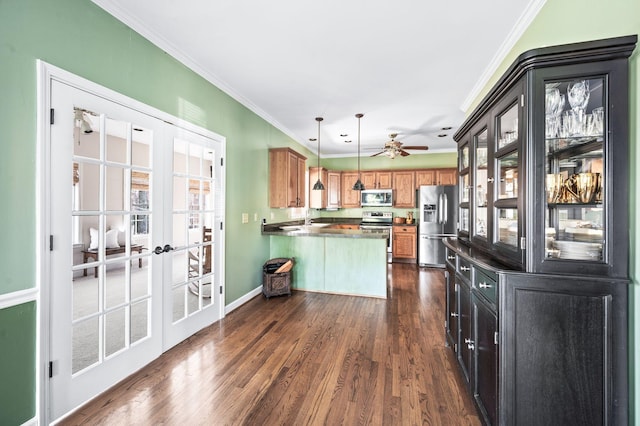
374 155
415 147
403 152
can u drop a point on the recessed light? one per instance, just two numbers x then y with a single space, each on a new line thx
347 141
313 139
446 128
442 135
343 135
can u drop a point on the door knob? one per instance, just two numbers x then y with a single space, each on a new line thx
158 250
168 248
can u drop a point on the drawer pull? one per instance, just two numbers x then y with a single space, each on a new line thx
453 314
465 269
470 344
484 285
451 257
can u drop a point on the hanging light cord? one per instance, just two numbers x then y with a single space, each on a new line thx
358 186
318 185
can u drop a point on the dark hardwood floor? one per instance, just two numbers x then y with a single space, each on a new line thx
307 359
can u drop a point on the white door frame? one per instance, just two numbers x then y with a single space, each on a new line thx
45 74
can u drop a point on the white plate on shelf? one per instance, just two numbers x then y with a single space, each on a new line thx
320 225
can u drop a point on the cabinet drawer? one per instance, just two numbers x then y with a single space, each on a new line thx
464 268
404 229
486 284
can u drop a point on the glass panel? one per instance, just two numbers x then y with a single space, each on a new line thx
508 226
508 176
115 285
114 334
179 156
86 134
114 188
481 182
179 229
464 157
141 146
86 344
464 219
178 303
180 193
139 321
193 302
182 260
507 127
575 192
140 279
116 142
85 235
195 163
88 191
86 296
464 188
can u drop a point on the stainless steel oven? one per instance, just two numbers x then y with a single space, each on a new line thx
379 222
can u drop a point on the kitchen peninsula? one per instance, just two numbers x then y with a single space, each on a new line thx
329 259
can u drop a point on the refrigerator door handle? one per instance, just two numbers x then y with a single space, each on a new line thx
439 208
445 210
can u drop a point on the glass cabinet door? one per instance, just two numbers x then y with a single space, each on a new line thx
463 191
481 184
575 129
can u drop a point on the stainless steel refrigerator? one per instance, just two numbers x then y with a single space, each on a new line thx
438 206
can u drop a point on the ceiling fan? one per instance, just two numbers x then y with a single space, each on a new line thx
393 148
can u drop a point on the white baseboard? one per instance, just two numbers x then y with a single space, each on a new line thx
242 300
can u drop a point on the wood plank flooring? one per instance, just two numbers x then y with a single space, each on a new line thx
307 359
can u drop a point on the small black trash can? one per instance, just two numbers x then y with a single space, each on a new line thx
277 283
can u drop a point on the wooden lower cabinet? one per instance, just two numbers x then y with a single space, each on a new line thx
538 349
404 244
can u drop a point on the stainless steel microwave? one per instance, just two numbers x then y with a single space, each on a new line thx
376 198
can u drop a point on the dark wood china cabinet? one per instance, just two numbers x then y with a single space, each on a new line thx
537 279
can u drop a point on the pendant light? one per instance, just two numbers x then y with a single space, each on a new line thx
358 186
318 186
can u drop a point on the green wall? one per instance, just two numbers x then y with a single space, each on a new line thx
568 21
413 161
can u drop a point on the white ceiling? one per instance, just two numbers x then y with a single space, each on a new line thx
410 66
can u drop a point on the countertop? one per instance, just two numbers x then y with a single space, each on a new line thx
315 229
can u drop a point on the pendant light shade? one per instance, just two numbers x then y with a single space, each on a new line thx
318 186
358 186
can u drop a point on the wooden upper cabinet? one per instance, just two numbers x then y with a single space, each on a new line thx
425 177
317 199
330 197
436 177
446 176
333 189
404 186
286 178
376 179
350 198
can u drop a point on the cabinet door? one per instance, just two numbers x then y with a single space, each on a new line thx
466 340
485 360
404 242
333 189
350 198
451 313
317 199
368 179
405 189
383 180
464 189
446 177
482 186
301 190
425 177
565 350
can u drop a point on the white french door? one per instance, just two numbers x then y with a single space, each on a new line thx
135 207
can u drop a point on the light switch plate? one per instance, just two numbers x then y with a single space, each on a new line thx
245 217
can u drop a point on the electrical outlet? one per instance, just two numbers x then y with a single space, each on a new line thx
245 217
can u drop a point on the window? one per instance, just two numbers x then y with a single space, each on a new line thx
139 202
